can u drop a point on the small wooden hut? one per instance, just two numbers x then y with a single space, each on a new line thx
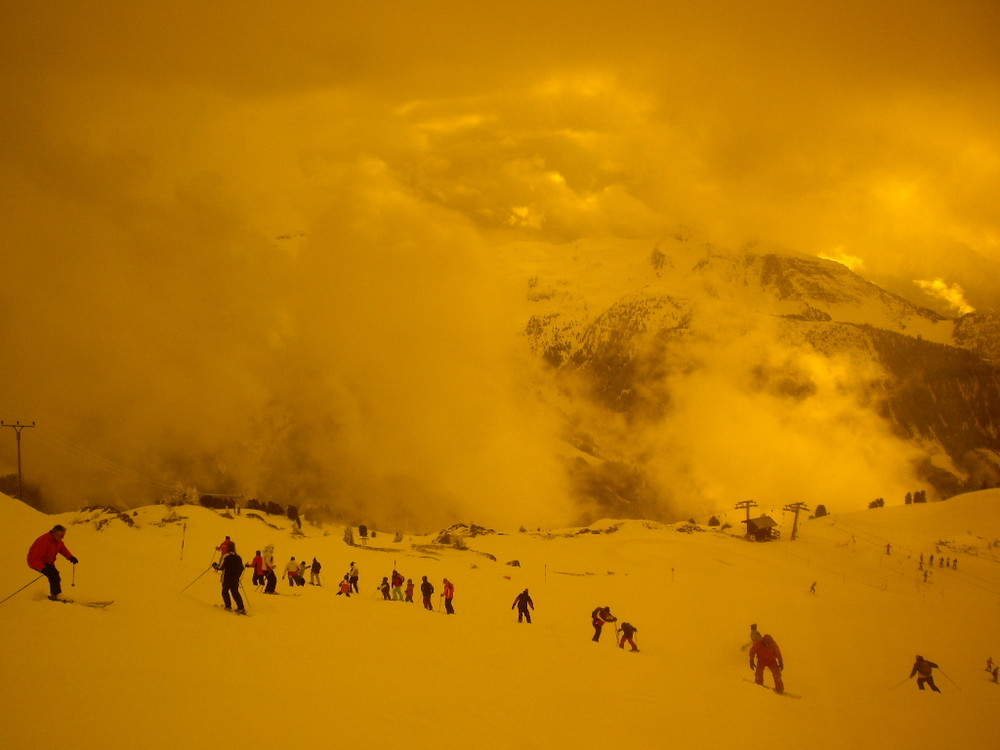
762 529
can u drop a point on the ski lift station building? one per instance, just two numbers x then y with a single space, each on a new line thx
762 529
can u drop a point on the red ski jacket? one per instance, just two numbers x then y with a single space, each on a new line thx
258 565
43 551
767 652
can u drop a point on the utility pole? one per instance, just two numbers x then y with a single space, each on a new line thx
17 427
795 508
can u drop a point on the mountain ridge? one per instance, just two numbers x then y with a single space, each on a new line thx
680 310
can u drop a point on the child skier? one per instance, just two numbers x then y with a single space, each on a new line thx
258 569
628 636
345 587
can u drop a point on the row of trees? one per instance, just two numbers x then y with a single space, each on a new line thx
920 496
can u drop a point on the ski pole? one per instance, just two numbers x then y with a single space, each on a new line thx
21 589
73 583
199 576
244 592
899 683
949 679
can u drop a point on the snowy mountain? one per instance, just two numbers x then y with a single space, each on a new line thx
636 336
164 667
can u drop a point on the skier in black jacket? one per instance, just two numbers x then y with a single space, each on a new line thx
232 571
522 602
426 589
924 668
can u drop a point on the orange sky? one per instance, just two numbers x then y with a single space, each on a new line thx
153 154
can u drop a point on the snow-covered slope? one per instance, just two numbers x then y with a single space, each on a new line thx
166 669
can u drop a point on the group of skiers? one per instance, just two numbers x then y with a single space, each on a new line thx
766 655
263 566
764 651
602 616
401 589
943 562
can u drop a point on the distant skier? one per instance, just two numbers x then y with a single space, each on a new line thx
314 570
258 569
989 664
996 674
42 557
812 589
600 617
924 668
523 601
384 587
628 636
300 579
397 586
270 576
449 596
409 591
224 546
345 587
232 571
888 549
426 590
354 577
767 655
292 572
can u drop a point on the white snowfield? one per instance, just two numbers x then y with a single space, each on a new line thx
165 669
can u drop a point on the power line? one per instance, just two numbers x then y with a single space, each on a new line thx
98 461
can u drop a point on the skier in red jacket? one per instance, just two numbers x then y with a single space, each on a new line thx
258 569
768 655
449 596
42 557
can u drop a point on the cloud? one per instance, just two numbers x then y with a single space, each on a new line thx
153 155
951 294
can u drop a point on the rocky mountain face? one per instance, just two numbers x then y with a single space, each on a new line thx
631 335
